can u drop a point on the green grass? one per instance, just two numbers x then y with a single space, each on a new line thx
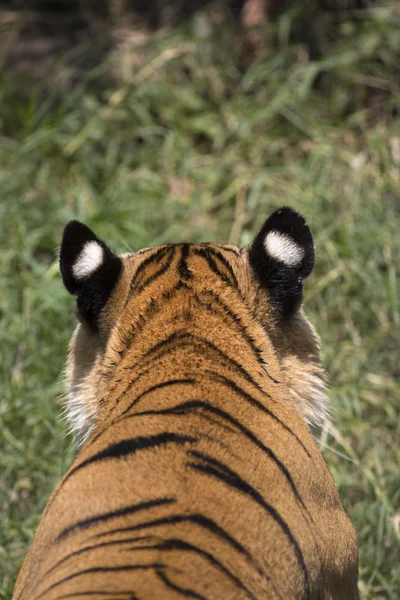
194 145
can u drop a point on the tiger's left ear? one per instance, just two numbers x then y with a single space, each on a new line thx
282 255
89 269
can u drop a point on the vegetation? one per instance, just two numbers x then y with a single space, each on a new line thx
196 141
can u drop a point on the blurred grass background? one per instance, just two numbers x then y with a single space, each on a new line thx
195 135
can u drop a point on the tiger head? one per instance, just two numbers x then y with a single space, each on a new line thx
258 289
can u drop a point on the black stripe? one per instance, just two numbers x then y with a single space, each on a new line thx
101 570
96 547
215 422
160 346
177 338
181 338
131 446
237 321
223 473
131 595
206 253
181 335
218 441
226 264
131 383
104 517
152 309
145 251
193 404
214 252
153 388
158 254
171 544
182 591
183 269
169 255
196 519
93 438
224 248
215 376
178 544
216 299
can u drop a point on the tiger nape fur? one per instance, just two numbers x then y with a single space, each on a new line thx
192 377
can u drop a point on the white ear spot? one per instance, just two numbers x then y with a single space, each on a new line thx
88 260
283 248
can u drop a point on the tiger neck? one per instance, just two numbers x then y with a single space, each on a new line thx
182 356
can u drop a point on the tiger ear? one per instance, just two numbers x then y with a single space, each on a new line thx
282 255
89 269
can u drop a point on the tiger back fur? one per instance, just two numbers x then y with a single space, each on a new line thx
193 378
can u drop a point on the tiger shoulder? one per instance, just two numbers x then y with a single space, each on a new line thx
194 380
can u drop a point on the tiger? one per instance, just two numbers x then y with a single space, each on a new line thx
194 387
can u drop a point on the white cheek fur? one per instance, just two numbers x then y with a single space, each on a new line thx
79 413
283 248
88 260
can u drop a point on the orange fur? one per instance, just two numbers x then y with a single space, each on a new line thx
247 506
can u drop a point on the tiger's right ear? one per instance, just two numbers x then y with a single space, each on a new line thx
89 269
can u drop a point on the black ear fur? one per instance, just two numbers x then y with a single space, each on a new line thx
282 255
93 287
